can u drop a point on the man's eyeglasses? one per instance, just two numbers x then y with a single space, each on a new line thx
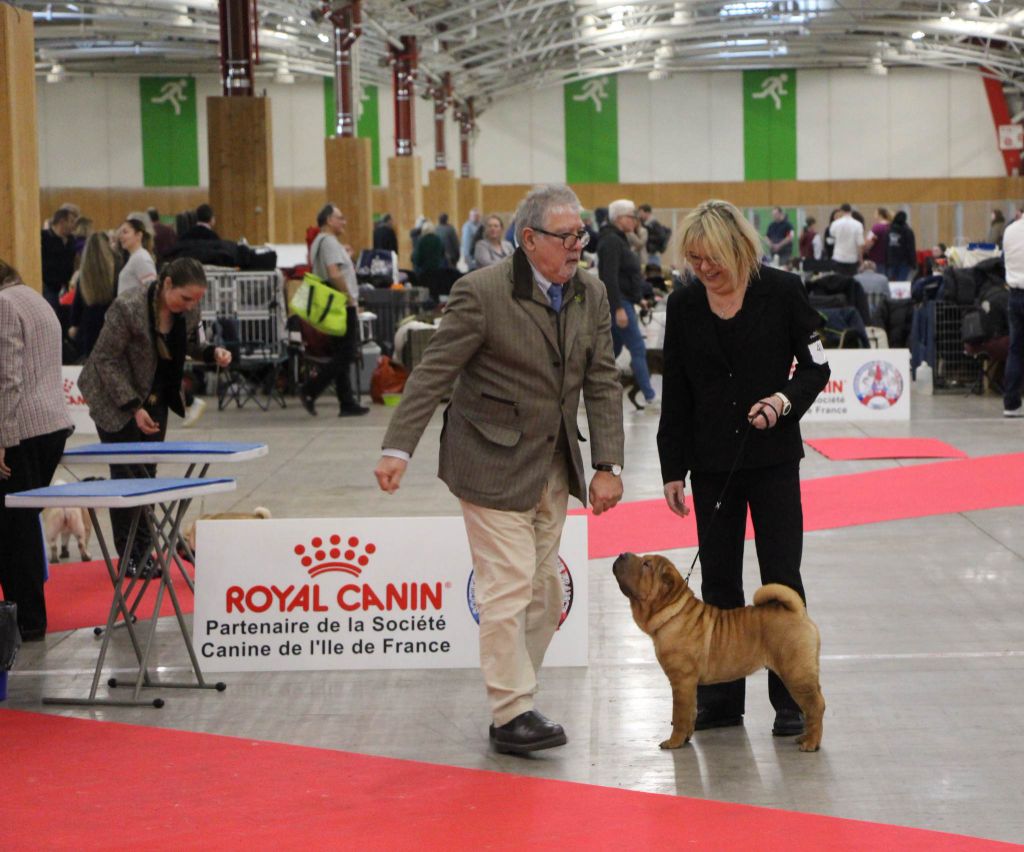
569 240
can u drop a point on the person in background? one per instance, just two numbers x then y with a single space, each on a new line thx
136 240
1013 256
58 254
203 229
492 248
469 229
132 378
83 229
416 231
876 241
848 248
780 236
996 228
732 403
384 236
165 238
518 344
807 239
449 239
620 271
97 284
34 426
901 256
588 225
333 264
428 256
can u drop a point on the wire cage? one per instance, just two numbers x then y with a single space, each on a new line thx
954 370
390 307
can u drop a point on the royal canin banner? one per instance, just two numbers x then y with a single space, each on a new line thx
356 593
866 385
74 402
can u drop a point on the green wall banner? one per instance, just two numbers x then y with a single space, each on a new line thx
592 131
769 124
170 139
367 122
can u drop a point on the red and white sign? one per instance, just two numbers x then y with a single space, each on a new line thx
1011 137
865 385
356 593
74 402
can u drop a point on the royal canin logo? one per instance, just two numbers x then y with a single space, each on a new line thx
316 557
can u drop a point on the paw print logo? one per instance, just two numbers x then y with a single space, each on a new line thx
348 556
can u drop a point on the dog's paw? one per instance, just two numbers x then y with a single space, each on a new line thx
806 745
674 742
86 557
64 553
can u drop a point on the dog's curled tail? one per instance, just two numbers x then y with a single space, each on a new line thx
777 593
261 512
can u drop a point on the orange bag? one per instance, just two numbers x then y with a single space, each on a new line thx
388 377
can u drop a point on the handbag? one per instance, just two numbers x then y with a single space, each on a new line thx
321 305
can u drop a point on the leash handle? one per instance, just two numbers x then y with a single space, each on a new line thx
721 496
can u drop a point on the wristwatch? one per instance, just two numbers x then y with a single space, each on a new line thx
787 406
613 469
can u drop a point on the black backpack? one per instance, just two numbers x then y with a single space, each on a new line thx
657 237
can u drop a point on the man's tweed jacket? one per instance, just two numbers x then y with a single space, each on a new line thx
514 373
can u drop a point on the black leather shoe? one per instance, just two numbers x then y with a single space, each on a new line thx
707 719
354 410
37 634
529 731
308 403
788 723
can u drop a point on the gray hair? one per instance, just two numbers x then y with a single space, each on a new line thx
622 207
539 201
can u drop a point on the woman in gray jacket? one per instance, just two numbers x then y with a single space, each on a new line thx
133 375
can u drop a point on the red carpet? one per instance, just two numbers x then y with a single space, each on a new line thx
78 594
943 488
83 785
851 449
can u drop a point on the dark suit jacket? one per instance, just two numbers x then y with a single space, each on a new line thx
706 399
200 232
514 372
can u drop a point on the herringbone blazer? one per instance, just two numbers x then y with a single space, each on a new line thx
514 372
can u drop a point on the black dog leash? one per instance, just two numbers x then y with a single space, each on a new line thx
728 479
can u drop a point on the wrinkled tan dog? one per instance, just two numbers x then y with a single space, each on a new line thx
699 643
258 513
61 524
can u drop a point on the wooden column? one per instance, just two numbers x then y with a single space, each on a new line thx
405 193
349 165
441 196
20 220
241 168
471 194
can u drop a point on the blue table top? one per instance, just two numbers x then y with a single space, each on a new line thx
118 487
211 448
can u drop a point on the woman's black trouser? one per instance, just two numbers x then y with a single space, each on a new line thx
22 549
344 351
773 495
121 519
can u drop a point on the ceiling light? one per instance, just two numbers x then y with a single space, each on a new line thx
917 35
56 74
283 74
876 68
657 74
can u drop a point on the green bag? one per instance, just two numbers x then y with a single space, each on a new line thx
321 306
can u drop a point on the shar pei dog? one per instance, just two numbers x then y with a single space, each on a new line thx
699 643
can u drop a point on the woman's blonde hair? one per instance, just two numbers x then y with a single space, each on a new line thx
97 276
725 235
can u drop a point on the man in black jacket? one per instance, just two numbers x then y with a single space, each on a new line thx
618 267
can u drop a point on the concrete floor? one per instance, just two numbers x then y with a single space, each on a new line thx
922 653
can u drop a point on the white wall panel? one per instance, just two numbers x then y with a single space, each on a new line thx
637 137
502 148
813 131
298 154
918 123
858 126
547 136
724 120
972 134
681 130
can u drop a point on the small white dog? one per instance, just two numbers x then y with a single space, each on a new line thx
64 523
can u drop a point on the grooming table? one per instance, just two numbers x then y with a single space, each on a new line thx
169 497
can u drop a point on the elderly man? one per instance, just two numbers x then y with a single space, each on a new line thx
58 254
519 342
469 231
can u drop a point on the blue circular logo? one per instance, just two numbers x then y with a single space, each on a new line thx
567 594
878 385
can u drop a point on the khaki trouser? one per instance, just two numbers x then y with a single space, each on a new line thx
518 590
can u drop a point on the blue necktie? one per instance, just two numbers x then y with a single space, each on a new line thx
555 295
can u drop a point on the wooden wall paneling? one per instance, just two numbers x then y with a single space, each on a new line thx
349 165
381 201
406 196
441 195
471 196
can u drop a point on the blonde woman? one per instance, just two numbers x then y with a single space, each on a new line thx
730 418
97 283
136 238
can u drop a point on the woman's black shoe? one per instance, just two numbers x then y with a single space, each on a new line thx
308 403
788 723
707 719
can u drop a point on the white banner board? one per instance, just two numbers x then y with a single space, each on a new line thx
74 402
867 385
356 593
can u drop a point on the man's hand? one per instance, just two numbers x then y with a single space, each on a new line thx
389 473
605 491
621 318
147 425
674 498
765 413
5 471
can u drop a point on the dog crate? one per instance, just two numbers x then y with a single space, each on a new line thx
955 371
